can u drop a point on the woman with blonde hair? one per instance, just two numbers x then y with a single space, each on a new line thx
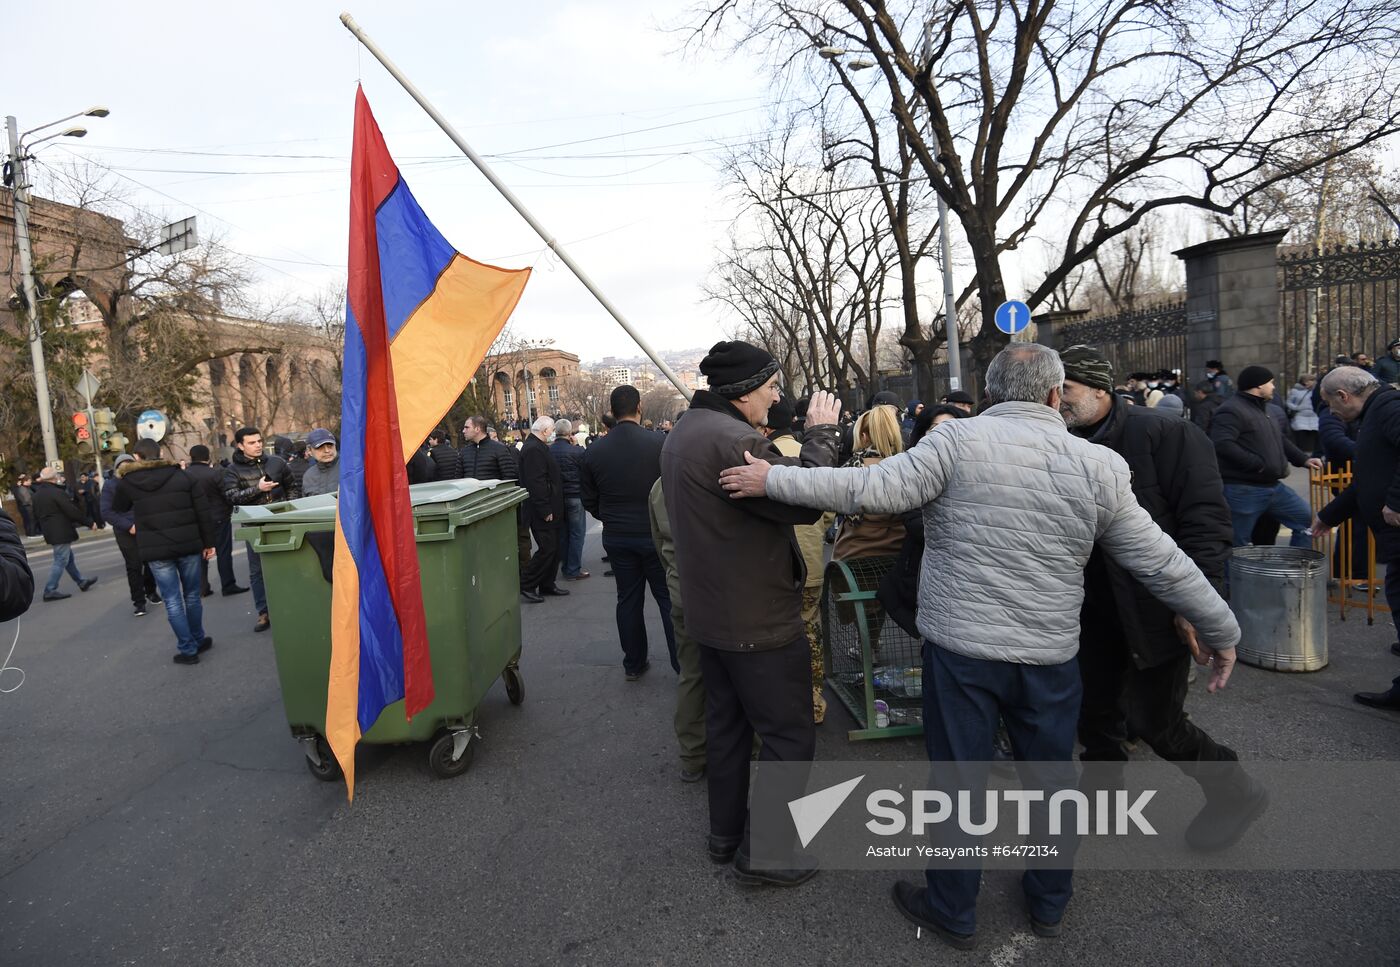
877 436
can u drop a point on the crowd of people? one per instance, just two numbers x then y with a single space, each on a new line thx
1121 506
1128 510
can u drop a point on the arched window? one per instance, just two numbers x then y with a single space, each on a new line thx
507 397
551 379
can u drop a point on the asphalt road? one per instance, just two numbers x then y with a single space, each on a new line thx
158 814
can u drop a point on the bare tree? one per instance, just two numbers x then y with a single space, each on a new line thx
1339 199
158 312
808 271
1066 124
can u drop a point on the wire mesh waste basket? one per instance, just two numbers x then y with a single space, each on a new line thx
872 665
1279 596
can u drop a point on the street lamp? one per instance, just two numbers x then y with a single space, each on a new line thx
855 64
18 155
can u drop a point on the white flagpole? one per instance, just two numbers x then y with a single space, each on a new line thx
515 203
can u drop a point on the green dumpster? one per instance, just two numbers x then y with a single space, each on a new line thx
466 535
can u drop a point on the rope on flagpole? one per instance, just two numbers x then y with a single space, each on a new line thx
509 196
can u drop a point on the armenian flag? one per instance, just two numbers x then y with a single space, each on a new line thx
420 317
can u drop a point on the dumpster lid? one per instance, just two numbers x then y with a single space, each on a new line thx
428 498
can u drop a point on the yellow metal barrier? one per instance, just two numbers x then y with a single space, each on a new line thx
1346 589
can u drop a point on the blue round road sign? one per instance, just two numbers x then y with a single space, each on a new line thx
1012 317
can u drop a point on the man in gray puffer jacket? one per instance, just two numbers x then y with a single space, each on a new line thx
1013 506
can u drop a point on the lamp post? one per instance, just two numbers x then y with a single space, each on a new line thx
26 263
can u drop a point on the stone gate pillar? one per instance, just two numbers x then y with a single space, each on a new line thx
1232 305
1049 325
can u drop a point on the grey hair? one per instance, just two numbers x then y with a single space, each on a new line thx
1352 380
1024 372
543 425
563 427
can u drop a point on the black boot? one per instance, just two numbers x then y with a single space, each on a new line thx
746 874
1234 800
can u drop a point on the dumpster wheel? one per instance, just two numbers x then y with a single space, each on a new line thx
515 685
327 769
440 761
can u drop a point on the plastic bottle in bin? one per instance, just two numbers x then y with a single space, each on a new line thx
882 714
912 682
888 680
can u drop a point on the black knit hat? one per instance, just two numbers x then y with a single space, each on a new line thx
1252 377
736 368
780 416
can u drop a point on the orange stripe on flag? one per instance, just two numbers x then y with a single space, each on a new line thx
437 351
343 685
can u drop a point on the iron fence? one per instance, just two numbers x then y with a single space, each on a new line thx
1341 300
1143 340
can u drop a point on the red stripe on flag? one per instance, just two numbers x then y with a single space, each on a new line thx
373 176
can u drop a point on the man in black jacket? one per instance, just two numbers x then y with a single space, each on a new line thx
1134 653
58 516
616 475
174 535
1254 455
139 580
1204 402
16 580
253 478
539 475
208 480
1374 494
486 458
482 458
574 526
444 455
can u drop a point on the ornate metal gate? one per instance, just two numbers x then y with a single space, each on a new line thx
1144 340
1342 300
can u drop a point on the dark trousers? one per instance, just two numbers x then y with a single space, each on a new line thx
223 552
139 580
27 515
1040 706
1392 592
1119 696
543 567
636 565
747 692
522 540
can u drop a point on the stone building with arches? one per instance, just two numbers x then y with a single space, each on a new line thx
531 382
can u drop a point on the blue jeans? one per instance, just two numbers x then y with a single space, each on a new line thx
180 582
255 580
1249 503
575 529
636 565
1040 705
62 561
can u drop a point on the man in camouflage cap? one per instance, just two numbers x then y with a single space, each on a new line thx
1133 651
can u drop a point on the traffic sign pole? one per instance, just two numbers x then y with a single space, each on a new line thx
87 387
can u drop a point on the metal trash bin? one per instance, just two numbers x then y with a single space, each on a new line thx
1279 596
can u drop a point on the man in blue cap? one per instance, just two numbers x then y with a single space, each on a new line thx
323 476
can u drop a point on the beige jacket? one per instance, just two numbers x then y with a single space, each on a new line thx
811 538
